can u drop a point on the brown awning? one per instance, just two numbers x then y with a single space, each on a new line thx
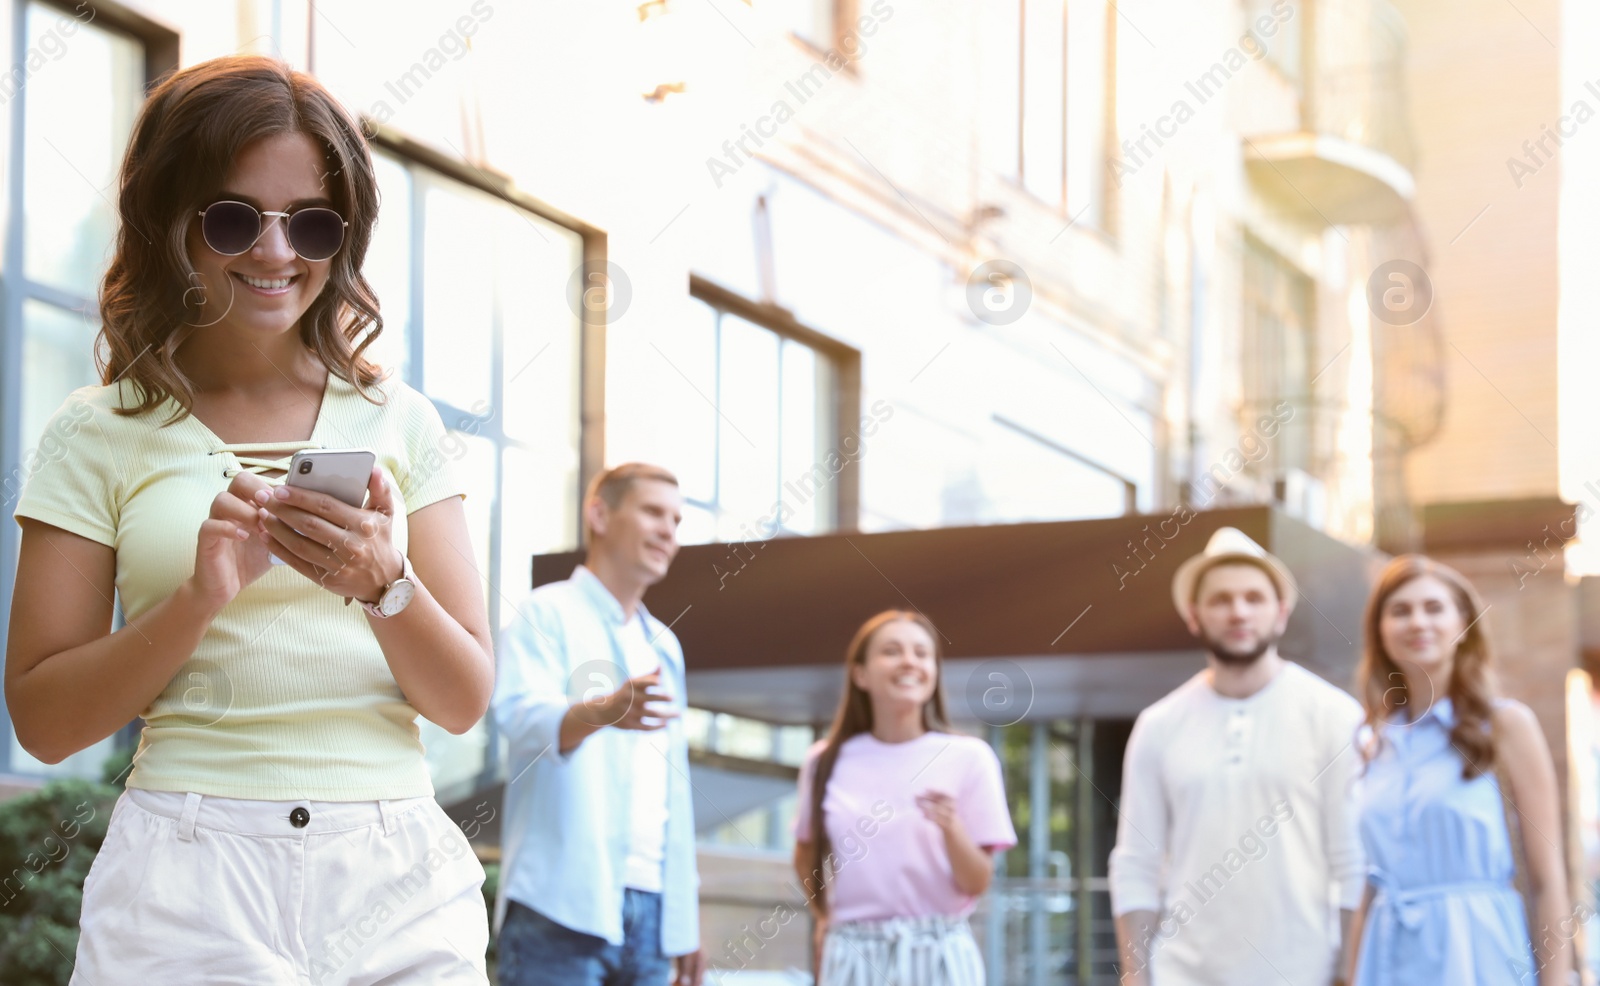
1004 590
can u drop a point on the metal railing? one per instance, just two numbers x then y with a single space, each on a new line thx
1031 931
1353 81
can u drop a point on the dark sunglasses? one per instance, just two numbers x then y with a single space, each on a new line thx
231 228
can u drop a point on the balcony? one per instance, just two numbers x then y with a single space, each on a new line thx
1350 159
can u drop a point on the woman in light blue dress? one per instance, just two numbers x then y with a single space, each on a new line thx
1441 905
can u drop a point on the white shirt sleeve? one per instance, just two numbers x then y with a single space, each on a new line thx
1340 806
1143 820
530 695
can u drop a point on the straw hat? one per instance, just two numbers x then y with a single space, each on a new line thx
1229 542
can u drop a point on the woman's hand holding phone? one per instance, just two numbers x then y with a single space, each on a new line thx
347 550
227 557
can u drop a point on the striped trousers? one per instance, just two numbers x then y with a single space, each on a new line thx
923 951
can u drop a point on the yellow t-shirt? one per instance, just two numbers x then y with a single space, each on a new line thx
288 696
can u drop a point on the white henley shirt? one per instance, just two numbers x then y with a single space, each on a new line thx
1238 827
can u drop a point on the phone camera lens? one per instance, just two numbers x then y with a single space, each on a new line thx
305 467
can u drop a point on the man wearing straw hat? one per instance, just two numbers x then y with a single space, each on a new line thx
1237 835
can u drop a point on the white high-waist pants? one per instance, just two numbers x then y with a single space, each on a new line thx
195 889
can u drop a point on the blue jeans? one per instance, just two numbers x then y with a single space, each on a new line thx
536 951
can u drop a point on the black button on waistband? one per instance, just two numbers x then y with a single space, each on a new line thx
299 818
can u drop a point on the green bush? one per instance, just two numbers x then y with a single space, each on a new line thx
48 838
116 767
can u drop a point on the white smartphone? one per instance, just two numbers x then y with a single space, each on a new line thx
340 473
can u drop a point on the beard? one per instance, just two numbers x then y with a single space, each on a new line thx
1238 658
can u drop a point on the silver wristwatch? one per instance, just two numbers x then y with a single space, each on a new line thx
397 595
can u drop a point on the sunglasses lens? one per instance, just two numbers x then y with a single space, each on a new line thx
316 234
230 228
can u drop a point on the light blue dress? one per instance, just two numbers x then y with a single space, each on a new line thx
1446 910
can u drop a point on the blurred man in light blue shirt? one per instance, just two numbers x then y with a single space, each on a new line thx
598 885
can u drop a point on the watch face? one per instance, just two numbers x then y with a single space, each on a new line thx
397 598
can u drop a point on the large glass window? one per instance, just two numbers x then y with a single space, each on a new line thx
79 106
473 289
388 268
1065 72
753 410
1027 477
1047 918
1044 112
1091 85
81 86
1278 350
745 776
1040 766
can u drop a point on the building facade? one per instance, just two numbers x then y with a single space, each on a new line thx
863 267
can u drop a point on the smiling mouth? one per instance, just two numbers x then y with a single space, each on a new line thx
271 285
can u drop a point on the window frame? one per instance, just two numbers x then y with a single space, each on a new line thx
592 346
844 15
1265 379
1108 224
1130 489
845 361
412 154
160 46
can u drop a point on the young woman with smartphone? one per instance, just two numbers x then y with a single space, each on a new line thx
278 823
899 820
1460 815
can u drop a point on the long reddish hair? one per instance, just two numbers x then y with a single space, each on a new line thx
854 717
1382 685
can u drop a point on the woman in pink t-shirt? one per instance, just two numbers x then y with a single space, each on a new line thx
899 820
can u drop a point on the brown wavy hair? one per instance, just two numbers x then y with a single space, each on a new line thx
184 142
1471 690
854 717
